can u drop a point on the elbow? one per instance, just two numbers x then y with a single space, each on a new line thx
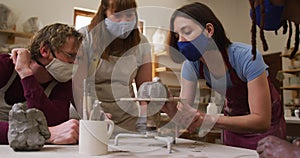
263 127
265 124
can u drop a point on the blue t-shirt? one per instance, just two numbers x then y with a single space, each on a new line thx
240 58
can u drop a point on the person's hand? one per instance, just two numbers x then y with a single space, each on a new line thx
183 115
297 142
197 121
65 133
274 147
108 115
21 57
170 108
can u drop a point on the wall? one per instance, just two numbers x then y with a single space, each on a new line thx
234 15
48 11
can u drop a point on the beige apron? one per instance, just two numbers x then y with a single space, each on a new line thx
4 107
113 80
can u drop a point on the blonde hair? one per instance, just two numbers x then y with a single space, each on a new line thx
53 36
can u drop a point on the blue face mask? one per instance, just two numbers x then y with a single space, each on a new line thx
193 50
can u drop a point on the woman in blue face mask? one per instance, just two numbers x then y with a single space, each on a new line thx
253 108
118 54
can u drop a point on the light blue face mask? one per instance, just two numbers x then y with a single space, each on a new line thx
120 29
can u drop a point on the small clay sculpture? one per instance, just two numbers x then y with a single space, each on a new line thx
28 128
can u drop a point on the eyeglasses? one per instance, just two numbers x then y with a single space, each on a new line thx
69 55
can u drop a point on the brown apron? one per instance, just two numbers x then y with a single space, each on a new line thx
113 80
4 107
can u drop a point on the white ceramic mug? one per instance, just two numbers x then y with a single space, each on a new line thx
297 113
94 136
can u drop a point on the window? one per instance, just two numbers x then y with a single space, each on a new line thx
141 26
82 17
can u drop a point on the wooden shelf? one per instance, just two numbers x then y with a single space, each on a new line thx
166 69
202 104
287 54
162 63
204 88
292 105
163 53
17 34
292 71
174 86
290 87
11 34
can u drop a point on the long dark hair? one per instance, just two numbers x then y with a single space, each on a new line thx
117 45
286 23
202 15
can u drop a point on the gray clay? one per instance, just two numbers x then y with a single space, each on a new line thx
28 128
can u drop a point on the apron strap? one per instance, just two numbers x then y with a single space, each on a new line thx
10 81
49 88
94 65
233 75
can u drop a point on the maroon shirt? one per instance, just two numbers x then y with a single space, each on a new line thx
55 108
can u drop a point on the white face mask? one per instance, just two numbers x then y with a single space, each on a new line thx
120 29
59 70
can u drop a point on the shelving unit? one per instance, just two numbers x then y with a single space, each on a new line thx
204 99
12 34
167 70
293 88
290 92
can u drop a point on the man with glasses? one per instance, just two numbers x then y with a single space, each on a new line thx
41 77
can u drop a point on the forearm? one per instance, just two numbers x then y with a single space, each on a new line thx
144 74
55 110
241 124
24 72
33 92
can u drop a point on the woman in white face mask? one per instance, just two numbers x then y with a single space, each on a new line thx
118 55
40 76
